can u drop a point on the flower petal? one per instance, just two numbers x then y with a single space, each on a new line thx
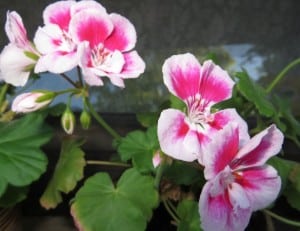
91 25
16 31
133 67
123 36
14 64
260 148
175 137
181 74
59 13
216 85
262 185
220 151
85 5
217 213
53 62
226 116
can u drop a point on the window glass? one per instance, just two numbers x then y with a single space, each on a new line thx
259 36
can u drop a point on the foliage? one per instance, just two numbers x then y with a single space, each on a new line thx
149 175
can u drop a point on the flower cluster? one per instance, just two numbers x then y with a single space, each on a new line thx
74 34
83 35
238 179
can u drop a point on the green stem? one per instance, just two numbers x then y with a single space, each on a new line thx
158 176
3 92
281 74
171 212
102 122
282 219
108 163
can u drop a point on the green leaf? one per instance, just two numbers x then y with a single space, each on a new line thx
13 195
294 176
284 168
148 119
255 94
191 175
21 159
177 103
285 116
188 213
140 147
293 196
99 205
68 171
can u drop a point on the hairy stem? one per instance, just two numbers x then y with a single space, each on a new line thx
282 219
281 74
102 122
107 163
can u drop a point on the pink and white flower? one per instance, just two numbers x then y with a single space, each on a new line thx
18 58
53 40
184 136
239 180
106 47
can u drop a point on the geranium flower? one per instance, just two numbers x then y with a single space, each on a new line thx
53 41
239 180
184 136
18 58
106 47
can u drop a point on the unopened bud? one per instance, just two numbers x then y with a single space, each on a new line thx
156 159
85 119
32 101
68 121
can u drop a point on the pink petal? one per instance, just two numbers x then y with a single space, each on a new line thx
13 65
134 66
47 39
92 26
123 36
217 212
53 62
216 85
86 5
181 74
16 31
224 117
260 148
220 151
262 185
59 13
175 137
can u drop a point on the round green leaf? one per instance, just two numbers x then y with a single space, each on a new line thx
21 160
99 205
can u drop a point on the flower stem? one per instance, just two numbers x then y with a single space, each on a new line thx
281 74
79 76
282 219
68 79
107 163
3 92
171 212
102 122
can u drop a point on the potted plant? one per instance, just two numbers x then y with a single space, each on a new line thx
199 156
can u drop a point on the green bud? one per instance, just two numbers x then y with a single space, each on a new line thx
85 119
46 96
68 121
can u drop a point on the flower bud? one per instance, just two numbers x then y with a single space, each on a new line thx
32 101
68 121
85 119
156 159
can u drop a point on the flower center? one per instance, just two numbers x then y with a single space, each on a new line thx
199 111
106 60
67 44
